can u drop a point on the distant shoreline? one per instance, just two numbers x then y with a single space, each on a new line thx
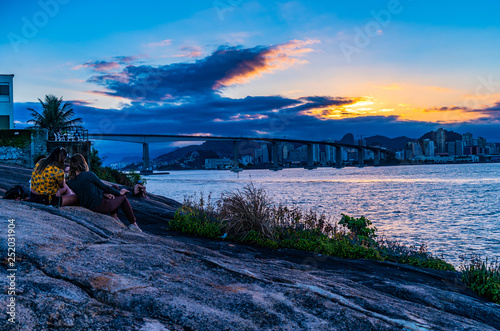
166 171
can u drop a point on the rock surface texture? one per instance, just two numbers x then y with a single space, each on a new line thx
78 270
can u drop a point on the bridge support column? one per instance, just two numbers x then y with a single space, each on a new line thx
145 158
236 165
310 161
376 160
275 148
338 157
360 158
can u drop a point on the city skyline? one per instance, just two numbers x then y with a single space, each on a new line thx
455 148
286 68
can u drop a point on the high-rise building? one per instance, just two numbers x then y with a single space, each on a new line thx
316 156
322 158
467 139
451 148
441 140
481 143
287 148
265 153
459 148
6 102
417 149
330 154
428 147
258 155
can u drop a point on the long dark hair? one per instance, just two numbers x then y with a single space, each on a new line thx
77 163
57 157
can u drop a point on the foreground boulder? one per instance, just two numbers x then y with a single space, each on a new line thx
85 271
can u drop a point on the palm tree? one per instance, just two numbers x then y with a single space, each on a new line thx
55 115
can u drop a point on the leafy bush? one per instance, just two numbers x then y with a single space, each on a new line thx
198 218
359 228
482 277
110 174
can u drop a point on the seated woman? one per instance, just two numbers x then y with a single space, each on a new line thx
97 196
140 190
47 181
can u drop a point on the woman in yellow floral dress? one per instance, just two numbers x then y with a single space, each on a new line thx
48 177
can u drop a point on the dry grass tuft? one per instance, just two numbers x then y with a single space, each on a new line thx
248 210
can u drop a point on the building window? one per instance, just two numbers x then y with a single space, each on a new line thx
4 122
4 89
4 92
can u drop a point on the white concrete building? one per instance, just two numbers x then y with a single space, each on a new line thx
6 102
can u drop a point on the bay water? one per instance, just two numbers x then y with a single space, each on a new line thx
454 209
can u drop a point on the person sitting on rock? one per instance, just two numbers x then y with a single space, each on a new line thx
47 184
97 196
140 190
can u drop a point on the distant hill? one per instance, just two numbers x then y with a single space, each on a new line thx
397 143
221 148
449 135
348 139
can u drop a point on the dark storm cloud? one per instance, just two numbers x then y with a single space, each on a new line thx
181 80
493 110
226 66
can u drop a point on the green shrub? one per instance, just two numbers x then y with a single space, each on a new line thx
110 174
482 277
359 228
198 218
192 223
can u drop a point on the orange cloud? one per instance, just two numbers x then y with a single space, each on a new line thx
278 57
355 107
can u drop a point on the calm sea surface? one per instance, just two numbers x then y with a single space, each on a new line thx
453 209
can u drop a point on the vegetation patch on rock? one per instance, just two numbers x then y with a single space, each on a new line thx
250 216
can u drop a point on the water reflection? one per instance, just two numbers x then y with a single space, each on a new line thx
454 209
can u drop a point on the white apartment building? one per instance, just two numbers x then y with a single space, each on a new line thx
6 102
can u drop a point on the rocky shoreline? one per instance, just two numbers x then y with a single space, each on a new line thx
76 269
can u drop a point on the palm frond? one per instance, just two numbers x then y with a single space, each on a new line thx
55 115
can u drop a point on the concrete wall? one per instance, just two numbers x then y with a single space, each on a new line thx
22 147
6 102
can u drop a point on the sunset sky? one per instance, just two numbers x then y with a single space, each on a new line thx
300 69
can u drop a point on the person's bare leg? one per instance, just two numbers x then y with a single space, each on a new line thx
69 200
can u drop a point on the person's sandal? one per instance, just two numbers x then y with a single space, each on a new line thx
134 227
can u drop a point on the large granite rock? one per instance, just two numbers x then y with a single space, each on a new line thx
80 270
